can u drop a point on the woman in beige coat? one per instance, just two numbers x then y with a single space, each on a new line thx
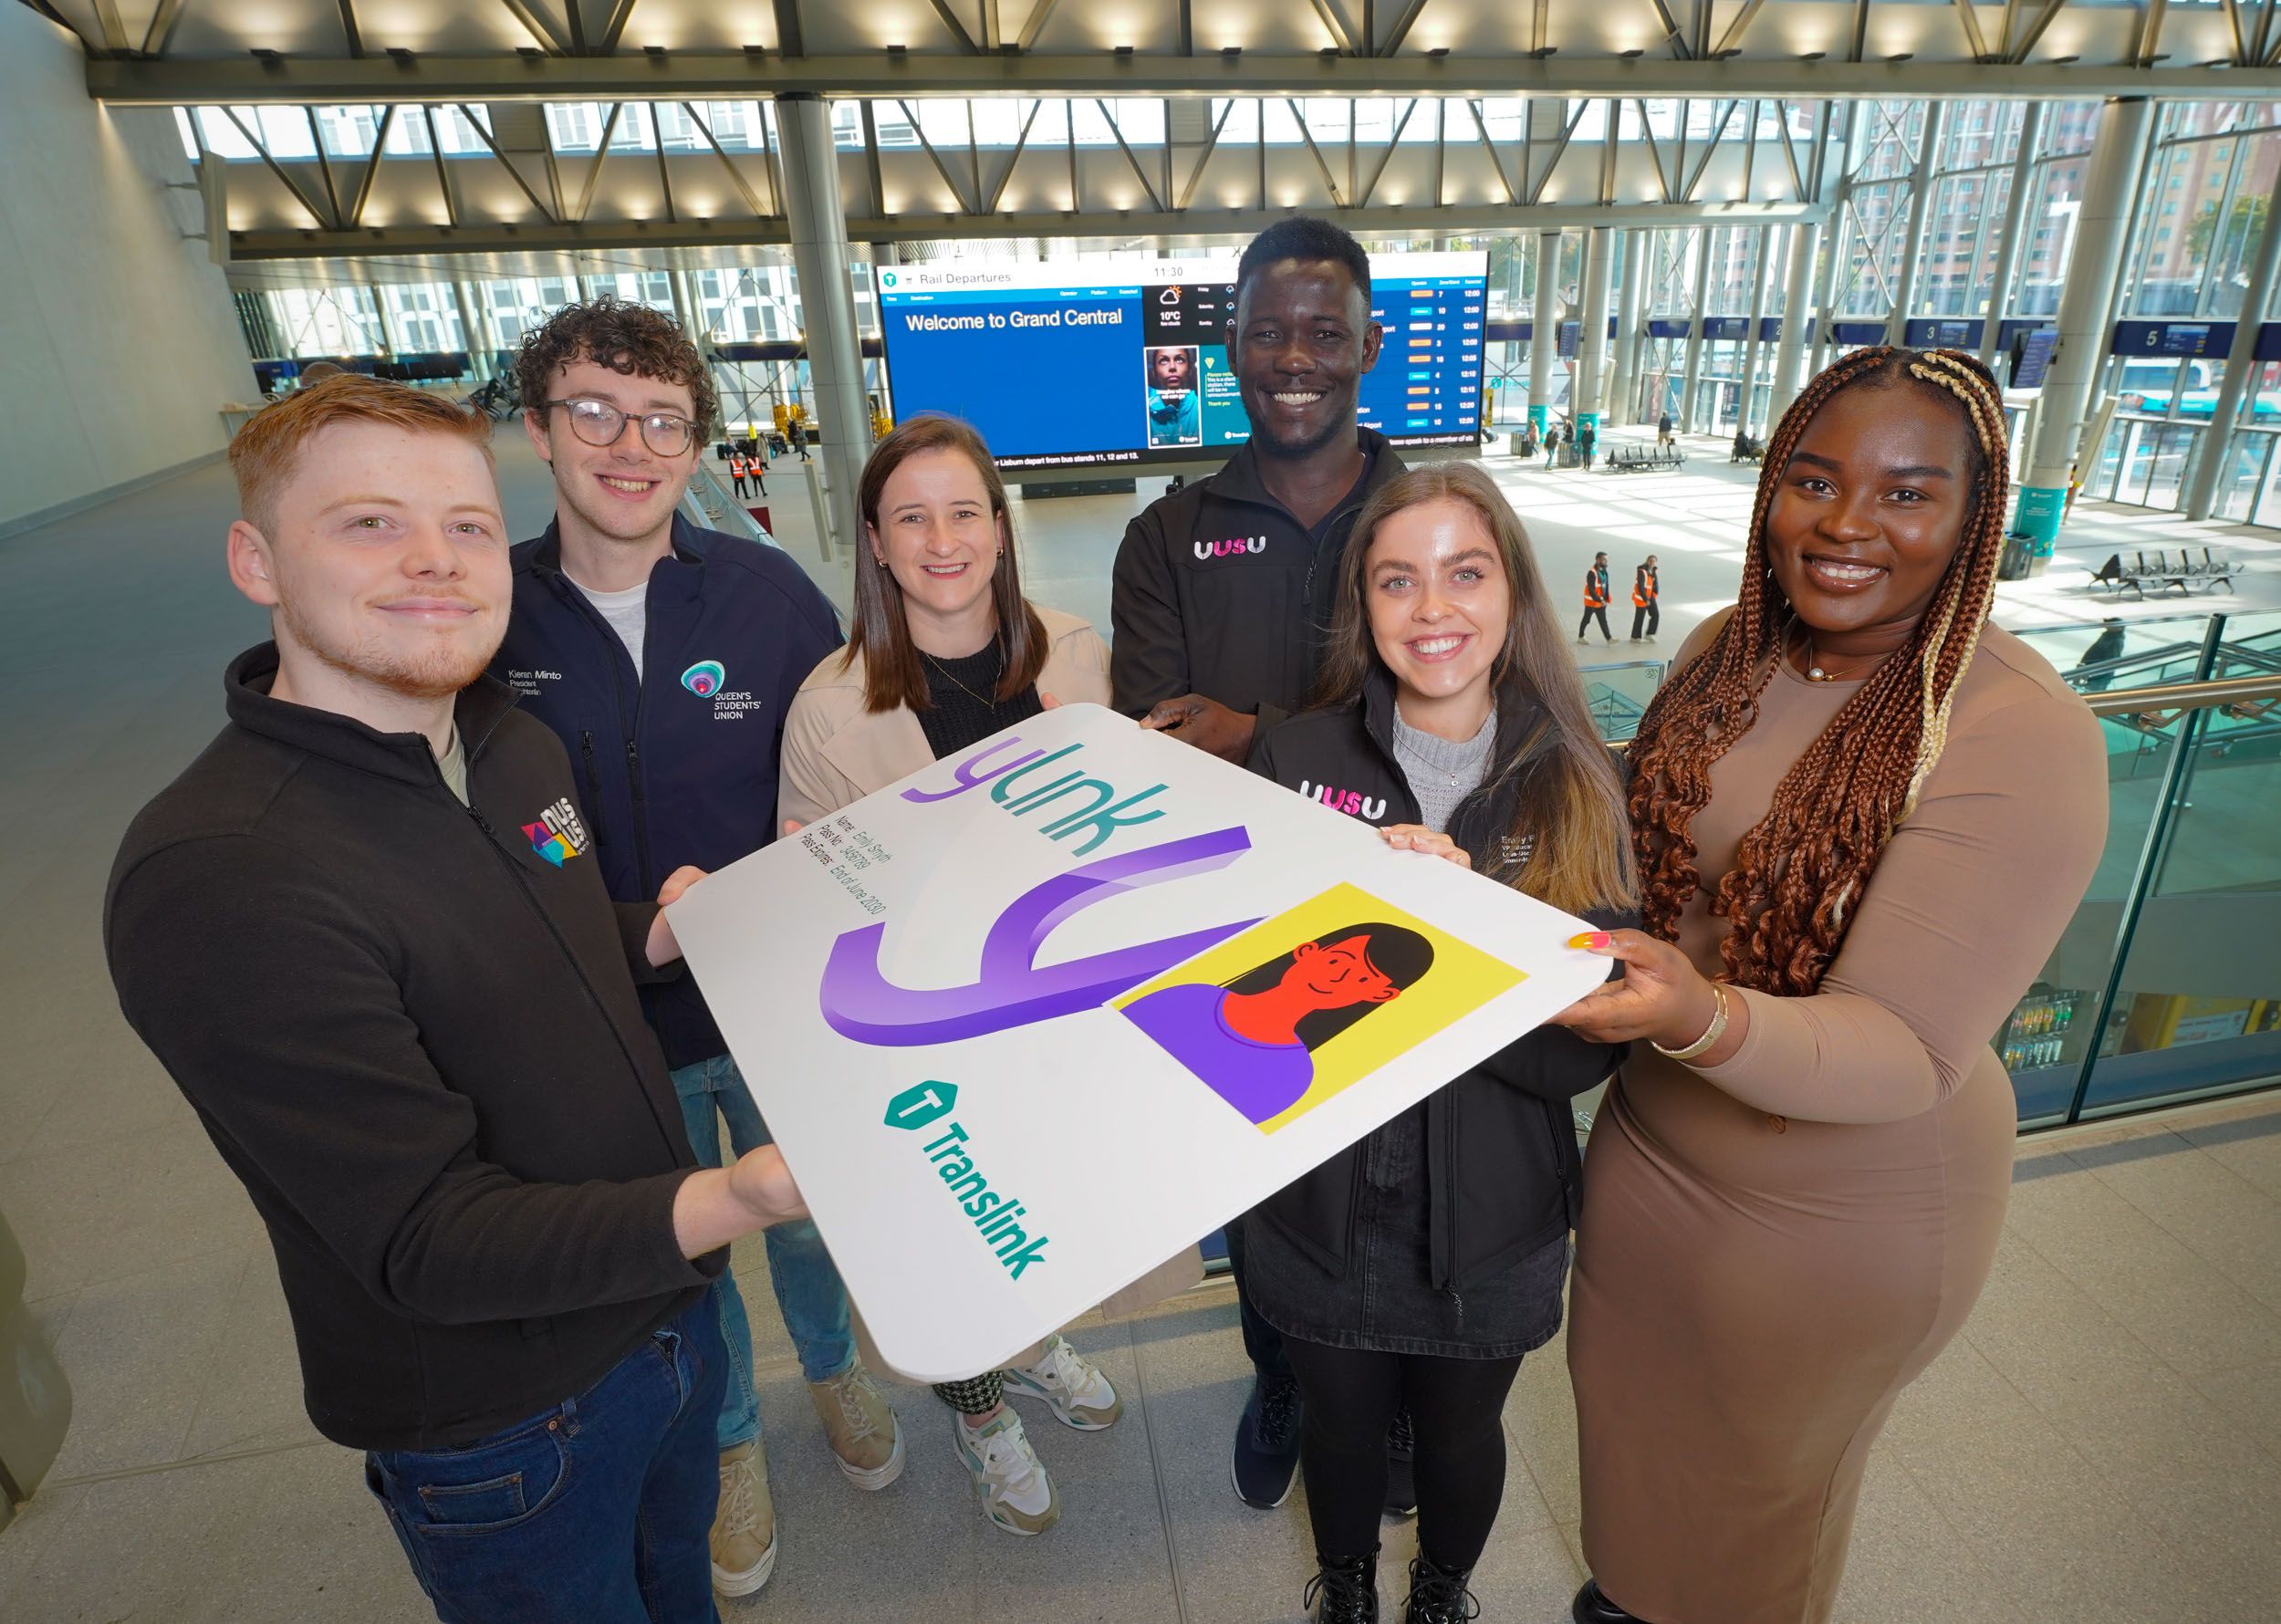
946 651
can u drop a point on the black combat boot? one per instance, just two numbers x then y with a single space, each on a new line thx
1438 1595
1344 1591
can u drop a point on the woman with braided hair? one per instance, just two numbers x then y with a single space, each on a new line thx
1862 816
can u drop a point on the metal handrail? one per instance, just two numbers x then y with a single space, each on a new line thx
2185 696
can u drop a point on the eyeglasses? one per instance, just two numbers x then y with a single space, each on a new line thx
597 423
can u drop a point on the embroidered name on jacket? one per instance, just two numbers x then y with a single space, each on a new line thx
558 835
1352 802
1234 546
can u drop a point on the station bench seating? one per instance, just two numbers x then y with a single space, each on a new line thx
2187 573
1634 457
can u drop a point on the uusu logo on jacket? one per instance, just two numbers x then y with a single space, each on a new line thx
1352 802
1234 546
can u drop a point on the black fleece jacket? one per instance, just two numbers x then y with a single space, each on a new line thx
413 1034
1220 590
1503 1175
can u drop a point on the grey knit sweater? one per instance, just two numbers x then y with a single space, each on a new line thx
1443 772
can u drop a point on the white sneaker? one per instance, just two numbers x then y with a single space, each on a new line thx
1080 1395
1016 1494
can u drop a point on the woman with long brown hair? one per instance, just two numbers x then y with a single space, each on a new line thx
946 651
1862 817
1412 1272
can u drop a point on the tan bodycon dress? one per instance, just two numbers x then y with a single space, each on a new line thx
1771 1249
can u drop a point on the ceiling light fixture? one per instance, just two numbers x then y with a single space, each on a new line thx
1812 55
1633 54
400 56
1901 56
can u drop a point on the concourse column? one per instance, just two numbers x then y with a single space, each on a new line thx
477 337
1704 236
1623 393
1543 331
1757 322
1797 312
1592 347
2015 217
2110 192
828 320
1842 198
1920 205
2207 464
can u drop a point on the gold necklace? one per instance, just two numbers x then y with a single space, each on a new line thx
986 703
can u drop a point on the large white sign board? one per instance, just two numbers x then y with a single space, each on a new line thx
927 995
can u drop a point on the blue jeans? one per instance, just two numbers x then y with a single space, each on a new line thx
595 1511
809 1294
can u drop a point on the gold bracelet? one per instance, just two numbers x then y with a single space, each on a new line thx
1711 1034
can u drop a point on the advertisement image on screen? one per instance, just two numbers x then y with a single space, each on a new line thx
1125 361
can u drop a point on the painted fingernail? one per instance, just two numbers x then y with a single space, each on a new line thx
1592 939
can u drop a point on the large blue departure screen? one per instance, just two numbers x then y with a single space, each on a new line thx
1125 361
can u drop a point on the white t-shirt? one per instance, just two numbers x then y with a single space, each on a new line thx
626 613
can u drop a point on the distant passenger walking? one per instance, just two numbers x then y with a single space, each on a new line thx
1552 445
1595 599
1663 429
1643 596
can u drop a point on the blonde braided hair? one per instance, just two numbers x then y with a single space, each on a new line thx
1795 875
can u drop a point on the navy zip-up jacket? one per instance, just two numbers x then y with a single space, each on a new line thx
675 764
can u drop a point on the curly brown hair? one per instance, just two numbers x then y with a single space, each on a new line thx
1798 876
625 337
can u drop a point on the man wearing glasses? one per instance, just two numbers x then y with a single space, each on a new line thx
664 656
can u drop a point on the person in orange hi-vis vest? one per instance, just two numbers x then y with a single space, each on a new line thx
1644 590
739 470
1595 599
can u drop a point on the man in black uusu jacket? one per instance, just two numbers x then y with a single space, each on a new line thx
1223 589
1222 592
364 932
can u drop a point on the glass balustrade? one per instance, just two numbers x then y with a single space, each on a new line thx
2166 985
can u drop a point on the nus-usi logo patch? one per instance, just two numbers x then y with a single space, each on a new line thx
557 836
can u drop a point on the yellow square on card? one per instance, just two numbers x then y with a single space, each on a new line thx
1283 1016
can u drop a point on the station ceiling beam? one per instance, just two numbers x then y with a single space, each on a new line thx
681 75
616 235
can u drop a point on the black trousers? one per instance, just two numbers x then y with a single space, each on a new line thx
1264 1343
1646 614
1591 615
1456 1410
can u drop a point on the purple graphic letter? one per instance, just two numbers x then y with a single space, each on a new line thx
1013 990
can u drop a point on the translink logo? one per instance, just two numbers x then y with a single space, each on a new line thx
992 1212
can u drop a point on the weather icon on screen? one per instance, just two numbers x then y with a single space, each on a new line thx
1170 296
